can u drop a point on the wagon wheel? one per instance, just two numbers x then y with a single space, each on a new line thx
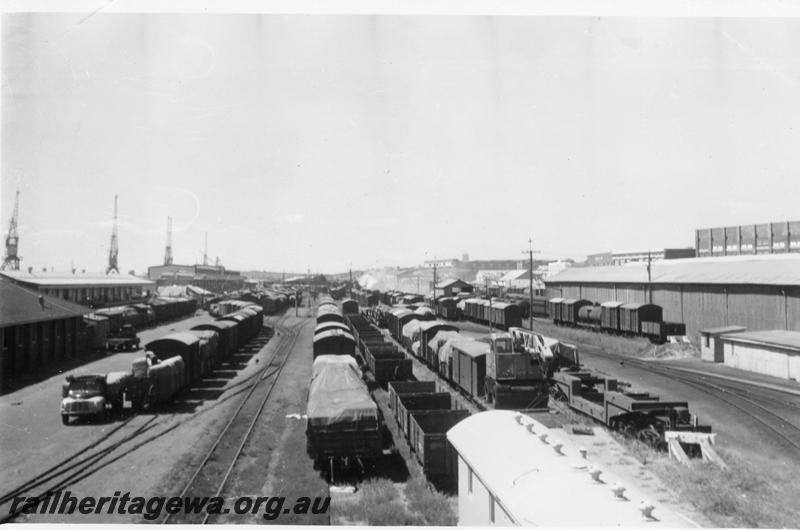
149 400
649 436
557 394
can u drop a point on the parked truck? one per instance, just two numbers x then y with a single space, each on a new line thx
126 339
149 384
92 394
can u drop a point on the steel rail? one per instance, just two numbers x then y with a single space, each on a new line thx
284 340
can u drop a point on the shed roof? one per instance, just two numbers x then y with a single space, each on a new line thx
773 269
473 348
612 304
722 330
449 283
530 486
775 337
184 337
19 305
50 279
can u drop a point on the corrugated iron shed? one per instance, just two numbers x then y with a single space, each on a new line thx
752 270
21 306
774 337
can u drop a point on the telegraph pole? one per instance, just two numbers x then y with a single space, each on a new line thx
434 279
649 286
490 304
531 252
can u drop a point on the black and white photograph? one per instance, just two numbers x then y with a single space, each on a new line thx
400 264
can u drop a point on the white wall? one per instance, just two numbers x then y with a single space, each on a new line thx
760 359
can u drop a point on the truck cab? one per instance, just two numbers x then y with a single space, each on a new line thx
125 339
89 395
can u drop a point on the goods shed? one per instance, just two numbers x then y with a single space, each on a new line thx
757 292
37 330
771 352
711 349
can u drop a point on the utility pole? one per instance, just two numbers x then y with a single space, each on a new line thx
490 304
434 279
531 252
205 251
649 287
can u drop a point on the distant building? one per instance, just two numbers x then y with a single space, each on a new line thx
439 262
453 287
520 281
764 238
213 278
604 259
91 290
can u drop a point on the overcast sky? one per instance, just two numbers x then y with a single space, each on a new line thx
302 141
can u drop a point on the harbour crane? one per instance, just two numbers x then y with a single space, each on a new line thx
11 259
168 250
113 251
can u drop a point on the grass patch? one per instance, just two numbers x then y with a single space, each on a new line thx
739 496
433 508
380 502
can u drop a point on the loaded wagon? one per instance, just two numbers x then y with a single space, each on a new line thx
343 420
334 342
428 330
329 313
227 338
186 346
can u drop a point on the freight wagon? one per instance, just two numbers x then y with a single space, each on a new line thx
344 422
615 317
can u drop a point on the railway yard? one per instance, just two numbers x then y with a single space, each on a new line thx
243 426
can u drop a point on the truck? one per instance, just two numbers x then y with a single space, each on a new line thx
149 384
92 394
126 339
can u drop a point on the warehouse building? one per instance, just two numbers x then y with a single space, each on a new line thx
757 292
90 290
620 258
763 238
36 330
213 278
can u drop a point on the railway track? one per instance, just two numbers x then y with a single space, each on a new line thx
212 474
760 406
112 446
